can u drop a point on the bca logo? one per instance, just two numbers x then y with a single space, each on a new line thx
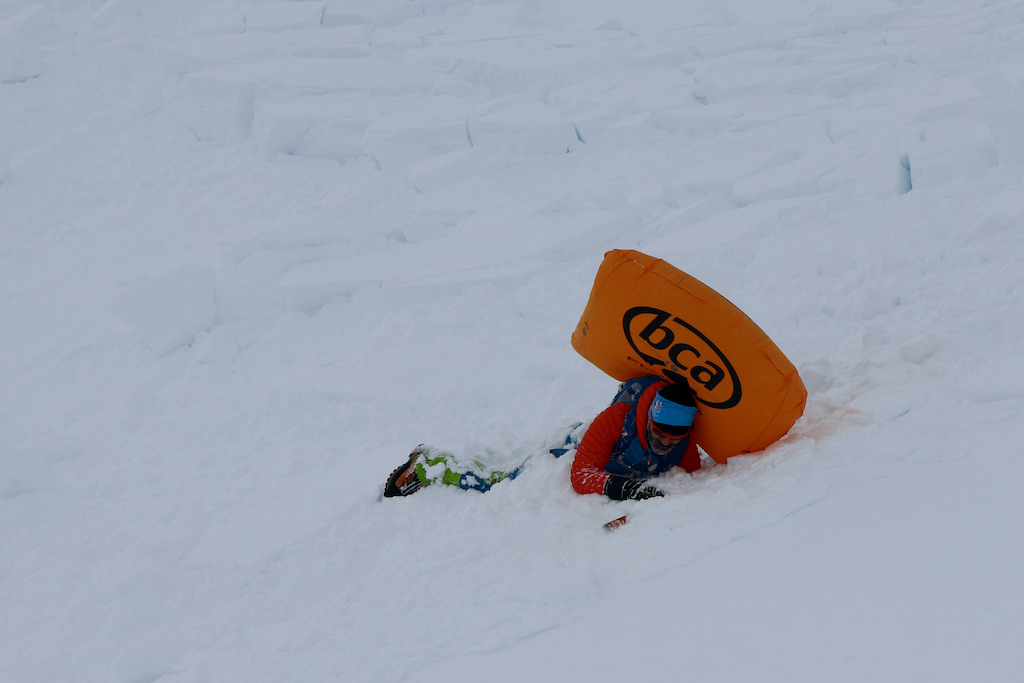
686 353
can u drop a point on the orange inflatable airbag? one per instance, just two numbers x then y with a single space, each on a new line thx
646 317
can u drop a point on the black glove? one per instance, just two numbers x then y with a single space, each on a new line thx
622 488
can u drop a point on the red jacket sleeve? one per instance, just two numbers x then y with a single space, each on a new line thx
595 449
691 457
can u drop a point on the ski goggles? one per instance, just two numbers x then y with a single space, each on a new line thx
669 432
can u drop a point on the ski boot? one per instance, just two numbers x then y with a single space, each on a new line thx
403 480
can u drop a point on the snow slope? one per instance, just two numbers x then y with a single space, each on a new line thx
254 251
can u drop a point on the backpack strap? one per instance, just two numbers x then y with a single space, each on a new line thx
630 392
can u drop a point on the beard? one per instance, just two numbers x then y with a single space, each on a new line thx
658 446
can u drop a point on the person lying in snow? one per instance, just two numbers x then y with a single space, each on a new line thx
642 434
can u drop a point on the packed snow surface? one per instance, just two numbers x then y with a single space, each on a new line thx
255 251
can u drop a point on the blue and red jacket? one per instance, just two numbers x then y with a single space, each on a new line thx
616 443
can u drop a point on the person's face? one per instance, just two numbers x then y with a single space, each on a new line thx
661 442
